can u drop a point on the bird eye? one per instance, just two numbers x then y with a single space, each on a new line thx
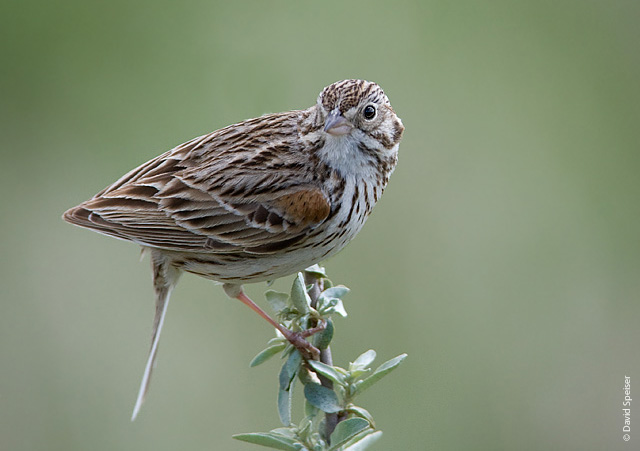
369 112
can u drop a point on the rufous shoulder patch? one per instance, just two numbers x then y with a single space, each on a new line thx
304 207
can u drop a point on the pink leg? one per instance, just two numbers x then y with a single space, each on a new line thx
295 338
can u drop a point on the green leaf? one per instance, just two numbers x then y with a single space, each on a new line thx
328 307
278 339
347 429
323 338
379 373
364 360
305 428
284 432
327 371
310 410
335 292
266 354
362 413
278 301
299 296
317 270
289 369
339 308
269 440
357 374
323 398
284 406
362 441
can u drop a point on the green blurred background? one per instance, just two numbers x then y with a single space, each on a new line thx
504 257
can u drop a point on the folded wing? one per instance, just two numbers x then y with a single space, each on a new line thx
209 196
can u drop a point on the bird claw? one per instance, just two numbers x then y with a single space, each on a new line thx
306 349
298 340
314 330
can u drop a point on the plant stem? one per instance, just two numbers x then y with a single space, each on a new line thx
331 419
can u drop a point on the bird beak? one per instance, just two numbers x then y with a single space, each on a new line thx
336 124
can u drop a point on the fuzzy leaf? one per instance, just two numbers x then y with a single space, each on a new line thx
323 338
289 370
347 429
330 306
309 409
323 398
278 339
284 406
362 413
362 440
284 432
327 371
307 376
339 308
379 373
266 354
357 374
335 292
305 427
317 270
299 296
364 360
278 301
269 440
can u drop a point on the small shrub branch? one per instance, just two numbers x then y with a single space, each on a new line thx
331 422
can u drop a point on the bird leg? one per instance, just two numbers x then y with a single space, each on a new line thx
297 339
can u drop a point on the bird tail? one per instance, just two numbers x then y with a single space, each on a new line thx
165 278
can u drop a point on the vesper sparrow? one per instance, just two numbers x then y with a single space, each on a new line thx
256 200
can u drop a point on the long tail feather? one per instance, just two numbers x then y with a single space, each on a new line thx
164 279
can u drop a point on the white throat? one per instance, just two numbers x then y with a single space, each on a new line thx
342 154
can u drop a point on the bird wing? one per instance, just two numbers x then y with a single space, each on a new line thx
245 188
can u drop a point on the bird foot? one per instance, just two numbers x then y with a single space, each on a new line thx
298 340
